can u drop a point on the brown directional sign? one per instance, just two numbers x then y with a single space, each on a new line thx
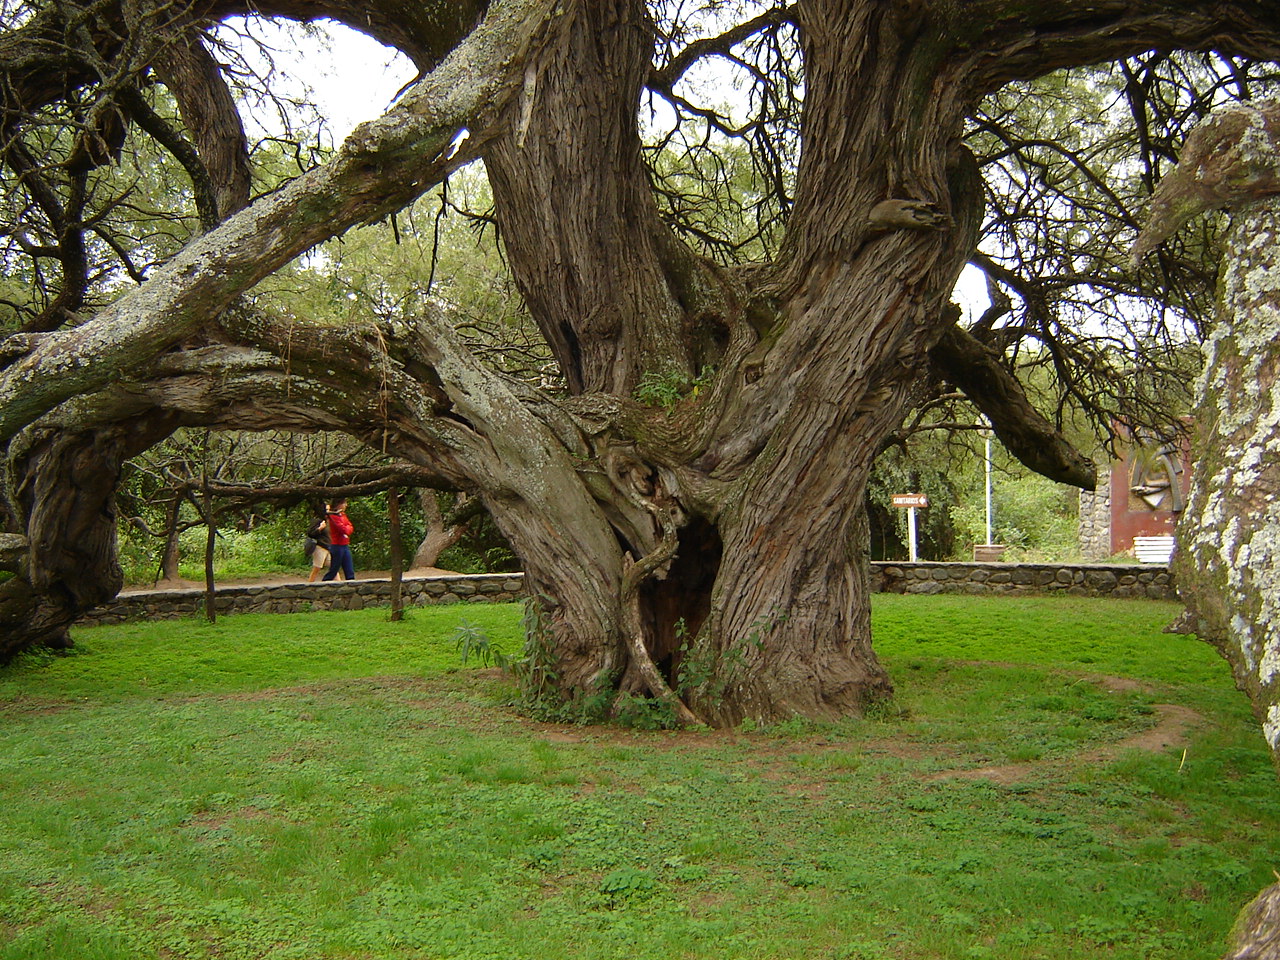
910 500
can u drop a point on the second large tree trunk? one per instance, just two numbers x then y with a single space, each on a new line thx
1228 561
63 497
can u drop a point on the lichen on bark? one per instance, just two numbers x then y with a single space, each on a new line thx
1228 560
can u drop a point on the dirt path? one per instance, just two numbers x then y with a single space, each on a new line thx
1172 726
1174 723
277 579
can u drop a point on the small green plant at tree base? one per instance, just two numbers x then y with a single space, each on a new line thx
470 640
644 713
534 670
705 675
791 727
537 678
884 710
581 710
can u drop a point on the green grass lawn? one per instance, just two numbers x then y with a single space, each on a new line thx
331 785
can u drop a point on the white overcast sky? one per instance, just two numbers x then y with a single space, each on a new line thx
350 77
359 82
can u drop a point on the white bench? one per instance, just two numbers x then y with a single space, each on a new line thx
1153 549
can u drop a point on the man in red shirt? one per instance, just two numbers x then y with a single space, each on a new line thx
340 530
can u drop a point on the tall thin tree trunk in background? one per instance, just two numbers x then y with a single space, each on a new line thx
397 555
170 555
211 525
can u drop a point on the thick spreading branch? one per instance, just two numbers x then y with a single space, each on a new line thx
573 199
1024 431
382 166
37 66
359 483
999 41
210 115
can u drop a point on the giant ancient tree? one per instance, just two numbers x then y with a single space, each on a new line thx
718 538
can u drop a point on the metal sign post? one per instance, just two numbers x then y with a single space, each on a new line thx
911 501
986 432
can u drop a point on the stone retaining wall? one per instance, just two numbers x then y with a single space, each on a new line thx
1149 581
1000 579
304 597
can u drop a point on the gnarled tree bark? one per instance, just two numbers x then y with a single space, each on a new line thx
1227 564
61 485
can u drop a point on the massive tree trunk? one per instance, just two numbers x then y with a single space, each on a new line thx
756 600
1227 564
763 611
1256 935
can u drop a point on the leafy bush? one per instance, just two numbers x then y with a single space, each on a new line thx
272 546
1034 516
645 713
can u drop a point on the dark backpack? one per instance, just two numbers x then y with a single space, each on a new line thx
318 535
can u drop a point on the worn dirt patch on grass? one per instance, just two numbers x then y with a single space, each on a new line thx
425 684
773 757
1121 684
1173 723
25 706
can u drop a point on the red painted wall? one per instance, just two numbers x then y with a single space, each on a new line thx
1132 515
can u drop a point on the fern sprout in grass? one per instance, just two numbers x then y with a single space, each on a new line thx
470 640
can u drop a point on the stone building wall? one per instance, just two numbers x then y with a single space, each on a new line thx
993 579
1095 519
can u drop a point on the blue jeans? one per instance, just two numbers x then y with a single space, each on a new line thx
340 559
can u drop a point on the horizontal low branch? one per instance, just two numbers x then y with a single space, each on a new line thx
975 369
357 483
